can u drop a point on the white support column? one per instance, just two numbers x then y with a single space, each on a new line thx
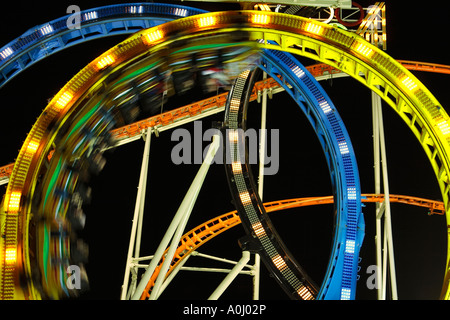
147 139
231 276
176 228
387 210
137 217
256 276
262 141
376 161
172 275
382 211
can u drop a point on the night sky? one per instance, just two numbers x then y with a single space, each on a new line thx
415 33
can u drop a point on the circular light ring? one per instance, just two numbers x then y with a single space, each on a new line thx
91 119
331 15
340 279
79 134
351 24
338 48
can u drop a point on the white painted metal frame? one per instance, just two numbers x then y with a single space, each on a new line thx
175 229
132 290
385 251
249 269
136 230
231 276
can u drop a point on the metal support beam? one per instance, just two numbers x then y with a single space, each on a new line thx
180 267
231 276
385 252
171 276
136 228
176 228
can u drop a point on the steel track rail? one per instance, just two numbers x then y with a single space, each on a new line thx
349 226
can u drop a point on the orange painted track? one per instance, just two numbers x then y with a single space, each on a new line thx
210 229
218 102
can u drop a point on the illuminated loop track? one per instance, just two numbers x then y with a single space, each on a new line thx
340 278
343 50
43 40
382 74
57 169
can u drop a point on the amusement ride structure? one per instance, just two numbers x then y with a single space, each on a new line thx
237 59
